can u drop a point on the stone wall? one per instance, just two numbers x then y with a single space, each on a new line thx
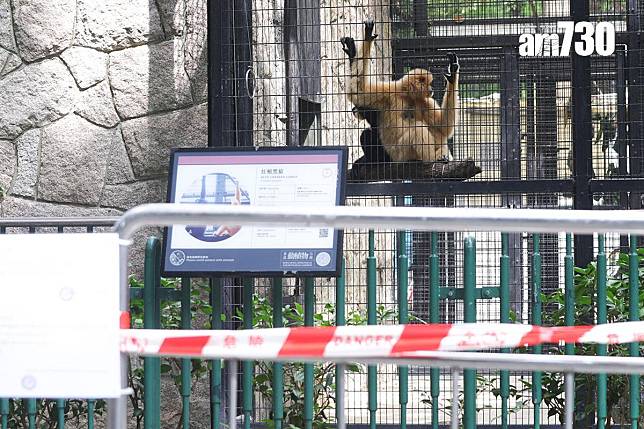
93 95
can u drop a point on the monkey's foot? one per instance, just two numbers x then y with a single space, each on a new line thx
349 47
369 24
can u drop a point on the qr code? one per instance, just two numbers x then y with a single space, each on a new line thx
324 232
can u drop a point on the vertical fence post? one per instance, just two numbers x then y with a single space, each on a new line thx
186 364
233 368
32 408
278 367
60 413
434 317
602 349
91 405
455 397
309 309
536 320
504 293
403 317
151 320
216 301
372 370
634 313
340 320
569 304
247 365
4 413
469 310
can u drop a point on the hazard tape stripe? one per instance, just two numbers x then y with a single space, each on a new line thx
366 341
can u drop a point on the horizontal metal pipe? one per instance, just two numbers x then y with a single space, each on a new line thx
474 360
418 218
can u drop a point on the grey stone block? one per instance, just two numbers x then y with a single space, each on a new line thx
149 79
27 146
34 96
43 27
149 140
88 66
117 24
74 158
95 104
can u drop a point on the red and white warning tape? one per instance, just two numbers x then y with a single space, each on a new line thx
383 341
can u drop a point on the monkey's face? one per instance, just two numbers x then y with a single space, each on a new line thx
420 82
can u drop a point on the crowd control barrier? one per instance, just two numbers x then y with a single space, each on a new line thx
427 219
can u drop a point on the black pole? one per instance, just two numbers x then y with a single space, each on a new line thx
215 81
582 172
582 135
635 96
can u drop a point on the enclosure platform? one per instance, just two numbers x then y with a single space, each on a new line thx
414 170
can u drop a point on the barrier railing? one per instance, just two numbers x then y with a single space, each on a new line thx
428 219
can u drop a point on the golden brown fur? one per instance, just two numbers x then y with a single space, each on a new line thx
412 126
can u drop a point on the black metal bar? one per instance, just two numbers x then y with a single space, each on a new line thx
215 80
447 187
511 161
243 62
421 20
582 135
635 96
464 41
622 131
510 121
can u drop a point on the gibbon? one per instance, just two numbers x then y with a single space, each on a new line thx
411 125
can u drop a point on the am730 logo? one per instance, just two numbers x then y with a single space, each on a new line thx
594 38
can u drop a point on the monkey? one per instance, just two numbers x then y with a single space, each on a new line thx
411 125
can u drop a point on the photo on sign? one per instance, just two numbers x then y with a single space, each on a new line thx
215 188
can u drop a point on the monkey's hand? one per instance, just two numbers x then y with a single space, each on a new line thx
368 30
453 67
349 47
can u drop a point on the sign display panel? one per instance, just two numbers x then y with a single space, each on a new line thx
59 316
298 177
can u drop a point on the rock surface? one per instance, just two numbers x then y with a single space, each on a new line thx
74 160
8 62
27 145
95 105
7 166
128 195
149 140
7 40
140 88
119 169
12 206
43 27
88 66
34 96
117 24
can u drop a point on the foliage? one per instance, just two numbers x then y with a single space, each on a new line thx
323 374
47 413
170 316
460 12
585 285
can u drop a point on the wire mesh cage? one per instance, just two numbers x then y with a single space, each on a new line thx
542 131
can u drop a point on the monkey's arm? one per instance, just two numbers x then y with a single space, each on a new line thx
363 91
444 117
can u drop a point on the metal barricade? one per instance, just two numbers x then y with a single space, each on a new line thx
425 219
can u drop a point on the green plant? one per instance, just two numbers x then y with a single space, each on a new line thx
323 374
170 317
585 293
